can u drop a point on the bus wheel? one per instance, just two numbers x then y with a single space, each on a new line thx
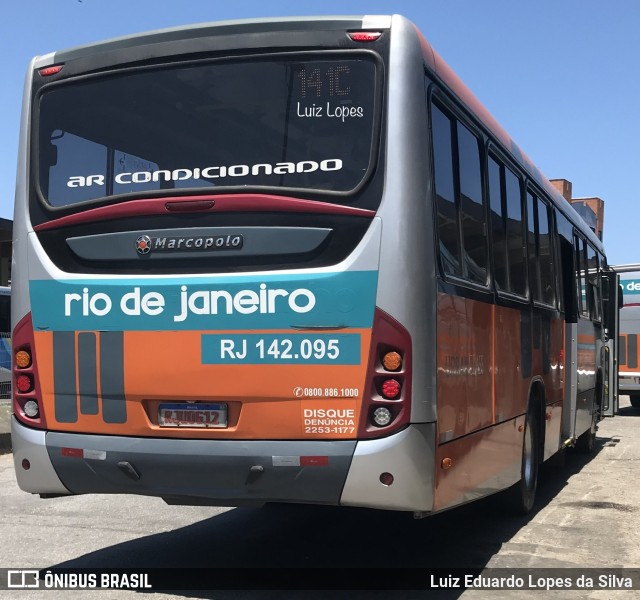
586 442
521 497
635 400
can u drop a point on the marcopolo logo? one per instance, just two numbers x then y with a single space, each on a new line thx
145 243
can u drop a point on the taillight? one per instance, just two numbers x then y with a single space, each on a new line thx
392 361
390 389
382 416
24 384
27 397
387 401
31 409
23 359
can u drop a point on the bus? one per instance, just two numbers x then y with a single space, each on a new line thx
628 368
293 261
5 342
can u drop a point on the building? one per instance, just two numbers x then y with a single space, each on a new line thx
590 209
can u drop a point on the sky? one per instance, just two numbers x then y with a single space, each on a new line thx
561 76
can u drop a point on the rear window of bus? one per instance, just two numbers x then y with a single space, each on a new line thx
300 123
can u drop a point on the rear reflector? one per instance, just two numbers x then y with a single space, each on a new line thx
314 461
86 453
300 461
386 478
72 452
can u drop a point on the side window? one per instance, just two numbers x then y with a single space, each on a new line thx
448 230
539 227
567 268
545 256
459 199
532 247
581 275
515 235
507 226
498 225
472 208
593 279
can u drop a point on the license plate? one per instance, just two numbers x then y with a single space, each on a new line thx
193 415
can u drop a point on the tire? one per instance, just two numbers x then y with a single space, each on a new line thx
586 443
635 401
521 497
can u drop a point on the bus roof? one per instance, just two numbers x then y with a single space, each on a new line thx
630 268
220 28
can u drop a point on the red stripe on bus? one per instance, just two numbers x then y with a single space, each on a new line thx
222 203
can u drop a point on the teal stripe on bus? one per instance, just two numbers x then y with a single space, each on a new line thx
345 299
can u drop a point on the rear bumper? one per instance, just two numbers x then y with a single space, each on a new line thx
29 445
232 472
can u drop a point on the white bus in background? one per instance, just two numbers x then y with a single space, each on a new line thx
5 341
628 367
